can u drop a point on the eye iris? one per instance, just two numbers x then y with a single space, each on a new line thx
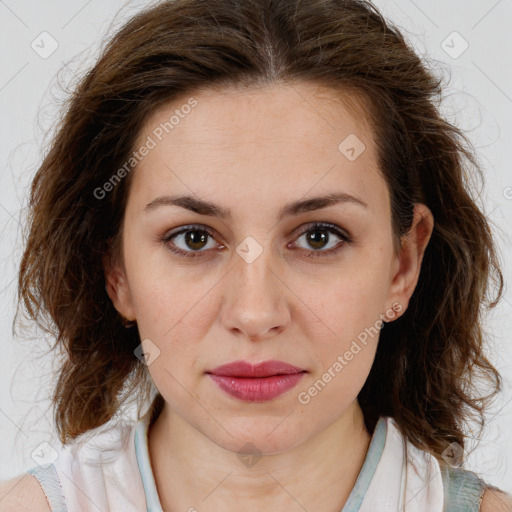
196 239
192 237
313 239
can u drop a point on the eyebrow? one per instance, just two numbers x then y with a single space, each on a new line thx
203 207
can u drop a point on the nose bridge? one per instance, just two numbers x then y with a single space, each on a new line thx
253 269
254 300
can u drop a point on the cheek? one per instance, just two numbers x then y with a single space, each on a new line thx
173 310
175 319
165 295
342 316
343 360
343 348
344 305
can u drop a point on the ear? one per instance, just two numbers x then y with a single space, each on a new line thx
408 262
117 286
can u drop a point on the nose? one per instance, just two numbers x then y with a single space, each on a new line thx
255 298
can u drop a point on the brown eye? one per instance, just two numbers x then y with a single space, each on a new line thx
320 235
189 241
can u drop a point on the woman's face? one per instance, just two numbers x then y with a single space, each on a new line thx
251 279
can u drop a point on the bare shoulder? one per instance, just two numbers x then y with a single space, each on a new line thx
22 494
496 501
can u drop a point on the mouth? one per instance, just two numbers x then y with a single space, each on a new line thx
256 382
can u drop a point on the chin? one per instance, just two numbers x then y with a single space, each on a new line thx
263 437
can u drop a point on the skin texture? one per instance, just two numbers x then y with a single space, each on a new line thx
496 501
23 494
253 151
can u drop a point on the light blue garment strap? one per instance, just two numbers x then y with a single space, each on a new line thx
142 454
371 461
49 482
463 490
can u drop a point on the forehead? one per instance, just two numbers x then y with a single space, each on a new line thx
265 140
282 111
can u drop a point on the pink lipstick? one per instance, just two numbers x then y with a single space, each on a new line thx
256 383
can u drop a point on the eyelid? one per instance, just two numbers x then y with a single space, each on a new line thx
345 237
297 233
304 228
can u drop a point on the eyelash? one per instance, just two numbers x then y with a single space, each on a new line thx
317 226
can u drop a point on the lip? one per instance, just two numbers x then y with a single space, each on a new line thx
256 382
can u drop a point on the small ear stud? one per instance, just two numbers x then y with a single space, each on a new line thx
129 324
396 310
394 313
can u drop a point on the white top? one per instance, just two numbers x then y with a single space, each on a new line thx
109 469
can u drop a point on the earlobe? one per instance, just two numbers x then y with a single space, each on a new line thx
408 266
118 289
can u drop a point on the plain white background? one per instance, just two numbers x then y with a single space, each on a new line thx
469 42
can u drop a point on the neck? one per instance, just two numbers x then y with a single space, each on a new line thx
191 471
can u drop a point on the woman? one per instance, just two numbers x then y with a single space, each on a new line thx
254 218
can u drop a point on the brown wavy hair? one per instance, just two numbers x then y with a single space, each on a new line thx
427 360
